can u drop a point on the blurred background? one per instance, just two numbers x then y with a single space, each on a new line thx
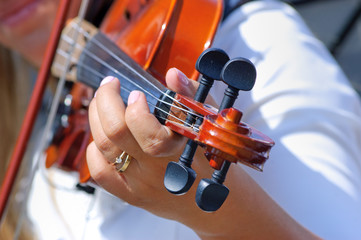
337 23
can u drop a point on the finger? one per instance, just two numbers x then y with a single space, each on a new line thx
111 110
103 143
178 82
154 138
104 173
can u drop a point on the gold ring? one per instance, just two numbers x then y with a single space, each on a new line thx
121 163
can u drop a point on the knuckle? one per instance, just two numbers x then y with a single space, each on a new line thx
154 145
152 148
116 130
104 145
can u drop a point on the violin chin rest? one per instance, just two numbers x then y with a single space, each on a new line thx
178 178
210 195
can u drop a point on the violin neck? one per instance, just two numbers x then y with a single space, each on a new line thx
86 55
101 58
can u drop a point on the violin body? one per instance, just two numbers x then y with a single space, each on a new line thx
163 34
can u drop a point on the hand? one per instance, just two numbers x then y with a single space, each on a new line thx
135 130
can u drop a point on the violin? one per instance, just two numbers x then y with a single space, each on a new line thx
138 41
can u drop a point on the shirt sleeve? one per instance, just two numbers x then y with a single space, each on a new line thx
304 102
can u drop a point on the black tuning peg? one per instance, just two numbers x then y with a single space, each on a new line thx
179 176
238 74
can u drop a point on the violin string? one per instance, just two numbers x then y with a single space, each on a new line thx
172 114
104 48
149 103
104 64
99 60
117 58
96 58
64 54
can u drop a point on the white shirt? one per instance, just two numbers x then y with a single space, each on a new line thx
301 99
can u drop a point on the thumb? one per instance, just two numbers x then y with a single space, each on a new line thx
179 83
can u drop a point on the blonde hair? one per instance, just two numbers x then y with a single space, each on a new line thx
15 89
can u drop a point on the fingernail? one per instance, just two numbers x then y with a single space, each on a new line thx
133 97
106 80
183 78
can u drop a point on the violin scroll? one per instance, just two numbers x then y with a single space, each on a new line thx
238 74
223 136
225 140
